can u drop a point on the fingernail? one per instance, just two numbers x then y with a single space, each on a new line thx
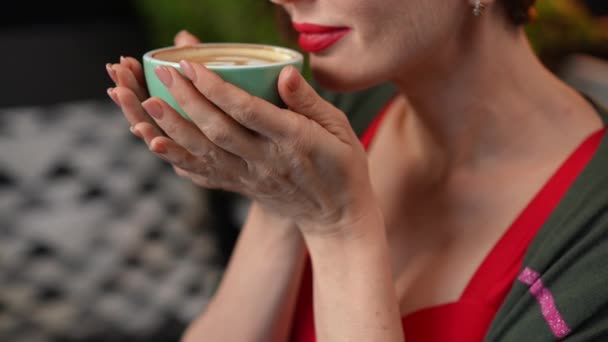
293 79
135 131
153 108
164 75
115 70
188 70
122 59
113 96
111 72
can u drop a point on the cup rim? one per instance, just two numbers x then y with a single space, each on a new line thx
298 57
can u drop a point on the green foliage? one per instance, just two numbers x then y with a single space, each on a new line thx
211 20
564 25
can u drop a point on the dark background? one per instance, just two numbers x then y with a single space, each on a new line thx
56 51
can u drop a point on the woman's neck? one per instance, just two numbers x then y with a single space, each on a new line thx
485 104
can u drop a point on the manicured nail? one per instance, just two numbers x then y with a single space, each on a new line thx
188 70
153 108
164 75
111 72
122 59
113 96
135 131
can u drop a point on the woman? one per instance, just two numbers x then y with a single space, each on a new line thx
476 211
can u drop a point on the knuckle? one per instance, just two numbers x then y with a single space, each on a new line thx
244 112
180 97
208 158
308 103
292 127
171 128
211 89
197 150
218 135
298 141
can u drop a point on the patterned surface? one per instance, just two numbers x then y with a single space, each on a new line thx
99 239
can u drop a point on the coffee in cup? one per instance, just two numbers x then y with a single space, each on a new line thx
254 68
225 55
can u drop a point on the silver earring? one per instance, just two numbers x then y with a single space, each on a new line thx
478 8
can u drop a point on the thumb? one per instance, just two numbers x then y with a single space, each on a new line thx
185 38
301 98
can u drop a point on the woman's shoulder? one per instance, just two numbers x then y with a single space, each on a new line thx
560 291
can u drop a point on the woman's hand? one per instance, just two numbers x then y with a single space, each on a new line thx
304 163
131 90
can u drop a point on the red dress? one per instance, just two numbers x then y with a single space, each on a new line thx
469 318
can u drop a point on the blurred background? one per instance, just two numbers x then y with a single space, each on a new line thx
99 240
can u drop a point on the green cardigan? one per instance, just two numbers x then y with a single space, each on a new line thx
568 257
570 253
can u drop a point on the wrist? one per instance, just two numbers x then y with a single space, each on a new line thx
268 222
354 282
347 233
259 212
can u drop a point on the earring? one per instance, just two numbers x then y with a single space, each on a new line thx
478 8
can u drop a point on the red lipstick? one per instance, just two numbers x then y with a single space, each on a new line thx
316 38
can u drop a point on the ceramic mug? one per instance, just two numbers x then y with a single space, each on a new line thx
254 68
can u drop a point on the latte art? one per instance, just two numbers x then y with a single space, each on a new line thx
225 55
231 60
254 68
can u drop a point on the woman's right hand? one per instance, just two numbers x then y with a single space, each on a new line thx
130 91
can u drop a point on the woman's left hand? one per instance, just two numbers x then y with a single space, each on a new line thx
304 162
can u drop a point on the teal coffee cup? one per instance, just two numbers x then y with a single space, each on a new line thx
254 68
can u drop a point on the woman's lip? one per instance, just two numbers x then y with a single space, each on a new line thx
314 28
317 42
315 38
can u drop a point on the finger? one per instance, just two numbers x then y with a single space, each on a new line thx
146 131
136 132
200 180
185 38
128 80
196 179
300 97
250 111
131 106
112 95
216 170
111 73
218 127
181 172
177 128
137 70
